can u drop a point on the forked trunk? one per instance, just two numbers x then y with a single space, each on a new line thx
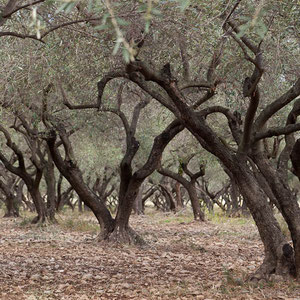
198 213
278 258
122 233
39 206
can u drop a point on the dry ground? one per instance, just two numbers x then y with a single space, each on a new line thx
183 260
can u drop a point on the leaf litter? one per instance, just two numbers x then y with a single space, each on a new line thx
182 260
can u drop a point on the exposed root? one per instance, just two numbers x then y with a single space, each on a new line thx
11 215
122 236
43 220
276 269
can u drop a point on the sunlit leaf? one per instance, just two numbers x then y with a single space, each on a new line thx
126 55
116 48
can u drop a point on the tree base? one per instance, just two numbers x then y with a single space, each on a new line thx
43 220
122 236
281 268
11 215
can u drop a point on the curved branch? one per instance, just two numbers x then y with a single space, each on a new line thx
16 150
175 176
100 85
278 104
284 157
68 24
160 142
277 131
209 94
217 109
194 84
19 35
8 14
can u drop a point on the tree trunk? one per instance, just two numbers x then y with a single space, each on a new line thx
11 203
12 209
80 205
170 203
178 195
198 213
276 259
50 182
122 233
287 202
138 203
39 205
234 205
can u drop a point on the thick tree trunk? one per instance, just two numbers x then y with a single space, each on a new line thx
255 198
39 205
122 233
234 205
138 203
276 260
74 176
287 202
51 193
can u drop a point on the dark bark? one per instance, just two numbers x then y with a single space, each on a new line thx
169 200
178 195
295 158
288 204
237 163
190 186
116 230
50 182
9 187
138 204
72 173
12 209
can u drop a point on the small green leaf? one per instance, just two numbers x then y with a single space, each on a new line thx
90 5
156 12
126 55
184 4
122 22
116 48
147 26
243 28
102 27
66 7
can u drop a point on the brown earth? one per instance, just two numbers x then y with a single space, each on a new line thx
183 260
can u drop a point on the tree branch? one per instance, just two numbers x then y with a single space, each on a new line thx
276 105
277 131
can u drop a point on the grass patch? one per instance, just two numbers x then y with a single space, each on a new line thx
177 220
25 221
219 217
76 224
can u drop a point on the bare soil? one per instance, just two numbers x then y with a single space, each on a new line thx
183 260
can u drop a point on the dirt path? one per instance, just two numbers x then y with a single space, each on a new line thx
184 260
